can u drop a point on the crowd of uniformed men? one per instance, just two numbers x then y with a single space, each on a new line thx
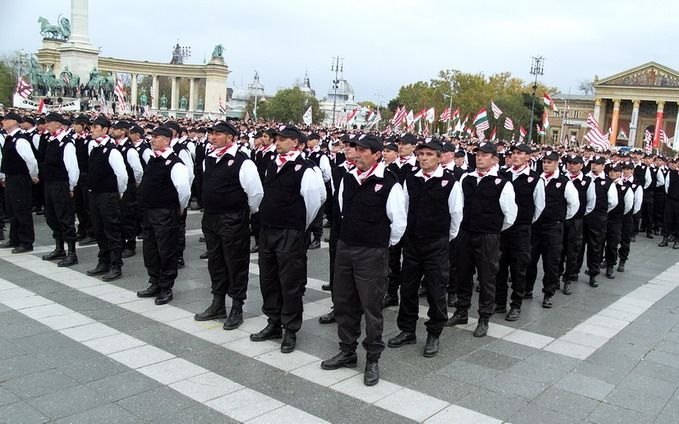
407 216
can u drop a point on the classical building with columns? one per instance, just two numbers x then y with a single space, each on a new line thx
629 103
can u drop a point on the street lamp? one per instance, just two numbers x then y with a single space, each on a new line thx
337 67
537 67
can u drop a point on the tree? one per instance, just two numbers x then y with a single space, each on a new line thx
8 78
289 105
586 86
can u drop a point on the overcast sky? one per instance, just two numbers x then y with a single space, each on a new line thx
385 43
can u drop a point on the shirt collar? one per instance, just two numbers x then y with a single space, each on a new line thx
554 175
580 176
165 153
438 172
216 153
525 170
378 172
16 130
492 172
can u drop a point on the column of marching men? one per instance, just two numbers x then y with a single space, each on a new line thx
408 217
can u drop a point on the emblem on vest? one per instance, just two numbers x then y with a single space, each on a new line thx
444 183
230 162
298 167
530 179
583 182
603 182
498 181
167 162
378 187
558 185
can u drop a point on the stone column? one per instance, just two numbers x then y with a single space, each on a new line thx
614 121
675 144
174 95
634 122
79 22
597 109
133 90
154 93
192 82
658 124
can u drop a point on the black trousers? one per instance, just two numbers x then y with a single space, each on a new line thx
59 212
129 218
594 234
105 211
19 208
648 211
82 206
573 237
481 252
282 275
254 224
360 285
316 227
546 240
395 268
332 251
613 236
626 236
659 208
181 243
452 267
671 218
3 213
160 246
426 258
514 258
38 192
227 237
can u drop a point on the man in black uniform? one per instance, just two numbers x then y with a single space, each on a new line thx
489 208
373 218
320 160
82 140
292 198
433 200
18 171
264 156
183 152
233 190
106 181
616 218
671 216
60 173
165 193
629 220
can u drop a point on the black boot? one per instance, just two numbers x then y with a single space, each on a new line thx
235 318
431 347
71 258
649 234
371 376
101 268
621 266
481 328
342 359
216 310
289 342
403 338
675 245
328 318
151 291
592 281
390 300
268 333
663 242
57 253
113 274
609 272
458 318
567 288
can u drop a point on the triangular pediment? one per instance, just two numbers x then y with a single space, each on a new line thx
650 74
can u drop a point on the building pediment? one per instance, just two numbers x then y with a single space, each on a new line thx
650 74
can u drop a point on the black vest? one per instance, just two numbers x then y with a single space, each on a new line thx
53 167
405 170
673 188
124 150
283 205
141 149
157 189
100 175
601 187
524 187
555 200
364 210
482 212
81 151
582 186
315 157
221 184
12 162
618 211
640 174
428 212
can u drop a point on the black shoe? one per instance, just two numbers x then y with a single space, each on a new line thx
235 318
621 266
342 359
201 239
528 295
289 342
633 238
675 245
216 310
180 263
70 260
113 274
2 234
610 274
128 253
663 242
254 249
592 281
164 297
316 244
390 300
203 255
269 332
567 288
325 287
513 314
151 291
500 309
326 239
87 241
328 318
7 245
403 338
452 298
422 291
57 253
431 347
21 249
649 235
457 319
547 302
40 212
371 376
481 328
101 268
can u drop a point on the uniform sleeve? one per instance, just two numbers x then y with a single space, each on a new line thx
647 178
667 183
180 179
252 185
591 197
508 205
572 200
659 178
191 147
397 214
455 206
629 200
185 156
311 192
340 198
406 197
321 183
115 159
146 155
91 145
135 164
612 197
538 199
71 164
24 150
325 168
638 199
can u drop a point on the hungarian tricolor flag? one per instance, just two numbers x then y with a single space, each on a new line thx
522 133
493 135
549 102
481 120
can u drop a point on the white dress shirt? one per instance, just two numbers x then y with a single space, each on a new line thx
115 160
538 191
132 157
248 176
23 148
70 160
185 156
570 193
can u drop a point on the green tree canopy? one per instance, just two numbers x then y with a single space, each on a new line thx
289 105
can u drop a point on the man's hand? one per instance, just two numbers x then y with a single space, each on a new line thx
70 193
2 183
35 180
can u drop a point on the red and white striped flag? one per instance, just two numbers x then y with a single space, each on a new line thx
522 133
23 88
664 139
493 134
496 110
119 90
400 116
456 114
445 115
222 108
648 141
509 125
594 136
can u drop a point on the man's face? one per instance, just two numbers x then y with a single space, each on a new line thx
459 161
25 125
135 136
405 149
389 156
220 139
98 131
549 165
574 168
614 175
597 168
266 139
365 158
519 158
484 160
349 151
285 144
117 132
446 158
160 142
8 124
53 126
626 172
428 158
312 144
78 128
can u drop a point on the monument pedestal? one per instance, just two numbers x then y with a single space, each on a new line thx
79 59
216 73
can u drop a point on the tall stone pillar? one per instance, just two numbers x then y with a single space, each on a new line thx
634 122
79 22
192 82
154 93
78 53
675 144
174 95
658 124
216 73
133 90
597 109
614 121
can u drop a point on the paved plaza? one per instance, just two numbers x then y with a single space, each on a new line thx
76 350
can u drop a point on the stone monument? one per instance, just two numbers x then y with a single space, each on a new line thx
77 52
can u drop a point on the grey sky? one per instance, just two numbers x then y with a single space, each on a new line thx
385 44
